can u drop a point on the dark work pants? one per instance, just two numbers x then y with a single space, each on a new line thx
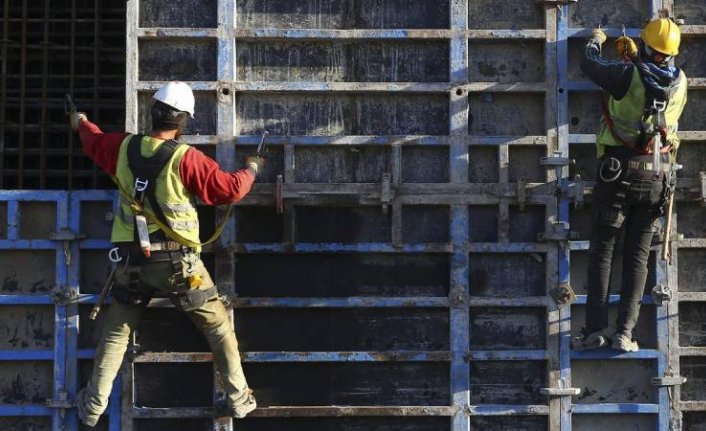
636 217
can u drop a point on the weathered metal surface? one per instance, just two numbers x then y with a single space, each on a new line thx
692 11
516 15
505 61
694 421
342 275
26 272
25 382
342 14
625 381
691 119
203 124
500 382
609 13
518 423
692 270
192 60
694 369
507 275
342 115
395 61
503 114
434 219
350 384
622 422
503 328
25 423
178 13
26 327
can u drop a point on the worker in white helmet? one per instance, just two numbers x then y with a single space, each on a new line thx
157 242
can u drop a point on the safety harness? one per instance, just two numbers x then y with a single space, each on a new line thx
145 170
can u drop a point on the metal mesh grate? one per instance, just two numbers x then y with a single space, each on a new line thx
49 48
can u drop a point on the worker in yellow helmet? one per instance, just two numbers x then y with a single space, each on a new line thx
636 146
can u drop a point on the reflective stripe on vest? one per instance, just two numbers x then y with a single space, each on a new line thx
175 201
627 114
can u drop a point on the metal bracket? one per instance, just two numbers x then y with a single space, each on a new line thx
668 380
563 390
521 193
279 195
556 160
63 295
661 294
386 193
558 231
578 192
702 177
563 294
60 402
66 235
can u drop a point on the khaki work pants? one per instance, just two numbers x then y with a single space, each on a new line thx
211 319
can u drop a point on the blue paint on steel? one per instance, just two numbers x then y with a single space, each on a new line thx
507 355
581 86
615 354
13 220
25 300
614 299
507 410
340 248
564 263
627 408
25 244
399 356
62 358
25 410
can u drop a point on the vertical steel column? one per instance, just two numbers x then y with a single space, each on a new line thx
131 126
72 262
458 128
564 264
665 344
225 153
554 313
131 65
64 359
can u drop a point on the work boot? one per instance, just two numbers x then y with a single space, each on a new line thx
220 408
594 340
88 419
624 343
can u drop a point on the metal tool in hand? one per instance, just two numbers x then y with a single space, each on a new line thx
262 147
69 106
659 108
115 258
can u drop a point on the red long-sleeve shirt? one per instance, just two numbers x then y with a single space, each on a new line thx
199 173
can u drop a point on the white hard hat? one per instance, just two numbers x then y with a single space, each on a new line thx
178 95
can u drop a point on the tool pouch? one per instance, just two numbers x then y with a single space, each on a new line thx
128 289
193 299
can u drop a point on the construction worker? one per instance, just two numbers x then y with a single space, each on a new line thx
156 235
646 96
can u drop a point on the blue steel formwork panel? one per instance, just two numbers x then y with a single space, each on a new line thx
414 304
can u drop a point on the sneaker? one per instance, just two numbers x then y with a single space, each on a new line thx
90 420
594 340
624 343
238 412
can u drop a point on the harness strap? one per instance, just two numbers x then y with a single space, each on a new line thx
153 217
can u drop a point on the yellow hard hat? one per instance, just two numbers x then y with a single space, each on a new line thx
662 35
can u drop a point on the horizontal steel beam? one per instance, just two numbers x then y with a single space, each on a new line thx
693 84
614 299
692 406
618 408
392 356
404 140
39 355
693 351
507 355
614 354
692 296
357 302
299 411
259 34
25 410
506 410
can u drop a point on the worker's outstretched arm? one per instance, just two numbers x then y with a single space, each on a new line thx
203 177
612 76
102 148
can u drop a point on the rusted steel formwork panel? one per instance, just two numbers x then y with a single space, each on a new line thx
432 302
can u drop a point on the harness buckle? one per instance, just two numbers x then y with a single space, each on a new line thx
141 185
